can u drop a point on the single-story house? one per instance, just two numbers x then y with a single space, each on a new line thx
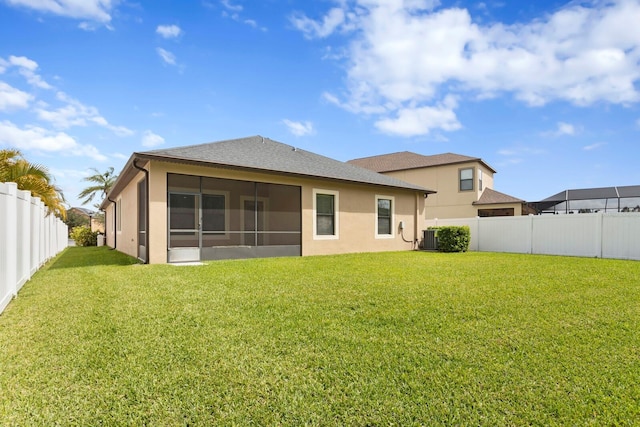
255 197
89 216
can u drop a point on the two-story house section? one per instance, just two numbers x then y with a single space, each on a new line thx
464 184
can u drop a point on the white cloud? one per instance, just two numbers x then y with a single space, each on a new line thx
421 120
562 129
37 138
299 128
94 10
233 7
23 62
314 29
12 98
150 139
169 31
566 129
233 11
594 146
166 56
74 113
27 68
406 56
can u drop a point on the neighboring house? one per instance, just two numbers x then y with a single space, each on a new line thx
255 197
464 184
90 216
83 212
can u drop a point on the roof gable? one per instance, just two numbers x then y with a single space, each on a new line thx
407 160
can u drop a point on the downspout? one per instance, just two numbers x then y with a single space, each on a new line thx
115 221
146 211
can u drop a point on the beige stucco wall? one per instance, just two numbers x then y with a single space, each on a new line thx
109 225
449 201
126 239
357 220
356 214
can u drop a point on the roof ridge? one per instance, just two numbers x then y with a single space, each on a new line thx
203 144
382 155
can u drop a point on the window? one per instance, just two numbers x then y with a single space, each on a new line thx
466 179
119 215
479 180
325 219
384 216
214 214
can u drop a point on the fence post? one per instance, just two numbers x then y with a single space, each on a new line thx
477 240
599 231
531 233
11 236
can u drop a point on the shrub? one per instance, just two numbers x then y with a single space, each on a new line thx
83 236
454 238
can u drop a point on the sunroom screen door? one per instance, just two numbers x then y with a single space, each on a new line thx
184 227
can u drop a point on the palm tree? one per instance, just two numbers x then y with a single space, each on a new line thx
102 184
32 177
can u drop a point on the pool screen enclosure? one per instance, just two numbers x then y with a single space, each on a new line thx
216 218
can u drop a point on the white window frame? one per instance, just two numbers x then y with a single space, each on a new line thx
480 176
393 216
119 215
336 215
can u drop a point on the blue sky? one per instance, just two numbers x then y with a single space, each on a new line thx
546 92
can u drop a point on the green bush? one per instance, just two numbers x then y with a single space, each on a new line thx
83 236
453 238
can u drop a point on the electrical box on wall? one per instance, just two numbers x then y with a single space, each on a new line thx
401 225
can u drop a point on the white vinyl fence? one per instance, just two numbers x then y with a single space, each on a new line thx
602 235
28 238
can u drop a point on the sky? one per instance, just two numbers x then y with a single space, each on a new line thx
545 92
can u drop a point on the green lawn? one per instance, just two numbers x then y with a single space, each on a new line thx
407 338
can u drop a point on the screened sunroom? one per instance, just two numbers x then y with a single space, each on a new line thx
590 200
215 218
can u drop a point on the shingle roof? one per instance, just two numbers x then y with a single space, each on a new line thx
407 160
493 197
83 211
595 193
257 153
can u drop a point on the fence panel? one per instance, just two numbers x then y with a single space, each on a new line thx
577 235
621 236
606 235
23 240
506 234
29 237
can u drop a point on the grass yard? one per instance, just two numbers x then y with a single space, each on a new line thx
407 338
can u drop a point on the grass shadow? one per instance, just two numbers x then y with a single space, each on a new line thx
77 256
